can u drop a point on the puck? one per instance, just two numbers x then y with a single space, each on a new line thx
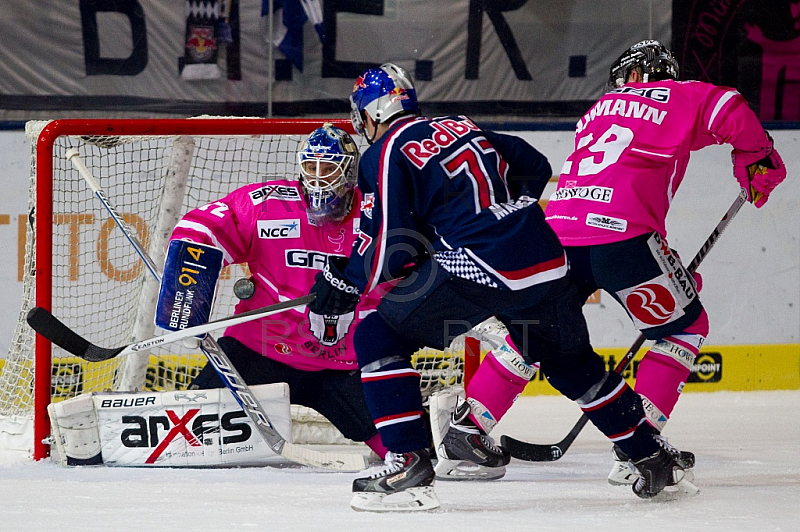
244 288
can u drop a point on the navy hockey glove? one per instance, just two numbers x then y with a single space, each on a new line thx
335 294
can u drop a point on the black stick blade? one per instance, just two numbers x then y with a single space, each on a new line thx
531 452
535 452
44 323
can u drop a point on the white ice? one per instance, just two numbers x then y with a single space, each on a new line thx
748 471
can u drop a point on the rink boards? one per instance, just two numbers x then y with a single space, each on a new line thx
717 368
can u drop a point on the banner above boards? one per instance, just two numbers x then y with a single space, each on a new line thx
509 57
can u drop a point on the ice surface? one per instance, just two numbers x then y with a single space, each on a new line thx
748 469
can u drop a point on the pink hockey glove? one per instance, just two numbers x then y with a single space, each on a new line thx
758 173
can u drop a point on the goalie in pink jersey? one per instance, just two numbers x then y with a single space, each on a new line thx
609 209
286 231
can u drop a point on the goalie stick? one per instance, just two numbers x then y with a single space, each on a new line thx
222 364
44 323
535 452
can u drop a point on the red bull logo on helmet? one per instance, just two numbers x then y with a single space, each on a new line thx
397 94
359 84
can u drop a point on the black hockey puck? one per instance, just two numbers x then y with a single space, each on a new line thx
244 288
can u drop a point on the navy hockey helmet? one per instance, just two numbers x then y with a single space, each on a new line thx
328 164
654 59
384 93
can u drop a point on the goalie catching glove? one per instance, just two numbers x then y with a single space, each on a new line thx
335 294
758 173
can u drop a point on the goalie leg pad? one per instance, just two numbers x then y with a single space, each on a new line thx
442 404
76 432
200 428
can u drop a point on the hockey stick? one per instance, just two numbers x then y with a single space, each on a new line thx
222 364
534 452
44 323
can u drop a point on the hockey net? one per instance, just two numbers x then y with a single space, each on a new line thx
81 266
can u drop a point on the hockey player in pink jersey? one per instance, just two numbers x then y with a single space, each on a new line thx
631 152
609 209
286 231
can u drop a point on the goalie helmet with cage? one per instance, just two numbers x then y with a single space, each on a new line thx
328 163
384 92
655 61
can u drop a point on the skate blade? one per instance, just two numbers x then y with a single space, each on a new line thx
417 499
465 470
682 489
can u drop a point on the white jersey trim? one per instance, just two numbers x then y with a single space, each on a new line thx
720 104
384 189
665 155
671 187
200 228
281 298
397 420
519 284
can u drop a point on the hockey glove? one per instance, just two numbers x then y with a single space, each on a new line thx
760 177
335 294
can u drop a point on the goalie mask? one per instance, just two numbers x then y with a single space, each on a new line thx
328 163
653 58
384 93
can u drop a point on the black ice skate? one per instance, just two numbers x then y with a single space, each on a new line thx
623 473
467 452
660 471
406 477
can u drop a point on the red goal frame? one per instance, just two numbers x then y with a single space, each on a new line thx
44 219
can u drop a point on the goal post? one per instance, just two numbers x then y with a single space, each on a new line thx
81 268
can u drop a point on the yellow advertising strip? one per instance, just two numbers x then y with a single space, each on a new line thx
717 368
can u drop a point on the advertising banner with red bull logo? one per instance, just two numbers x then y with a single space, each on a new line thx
202 40
477 57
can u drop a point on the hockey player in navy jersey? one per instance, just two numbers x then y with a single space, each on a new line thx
449 211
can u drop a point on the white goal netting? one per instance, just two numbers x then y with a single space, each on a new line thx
99 285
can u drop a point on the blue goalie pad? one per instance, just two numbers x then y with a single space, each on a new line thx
190 277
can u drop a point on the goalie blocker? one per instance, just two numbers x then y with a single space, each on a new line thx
195 428
191 271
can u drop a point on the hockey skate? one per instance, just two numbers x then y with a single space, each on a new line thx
406 480
660 471
623 473
466 452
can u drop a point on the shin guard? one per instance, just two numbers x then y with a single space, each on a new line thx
391 385
664 368
500 379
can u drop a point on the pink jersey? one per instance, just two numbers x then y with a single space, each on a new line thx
631 153
266 226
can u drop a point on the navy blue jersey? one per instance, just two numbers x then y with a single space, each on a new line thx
445 188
